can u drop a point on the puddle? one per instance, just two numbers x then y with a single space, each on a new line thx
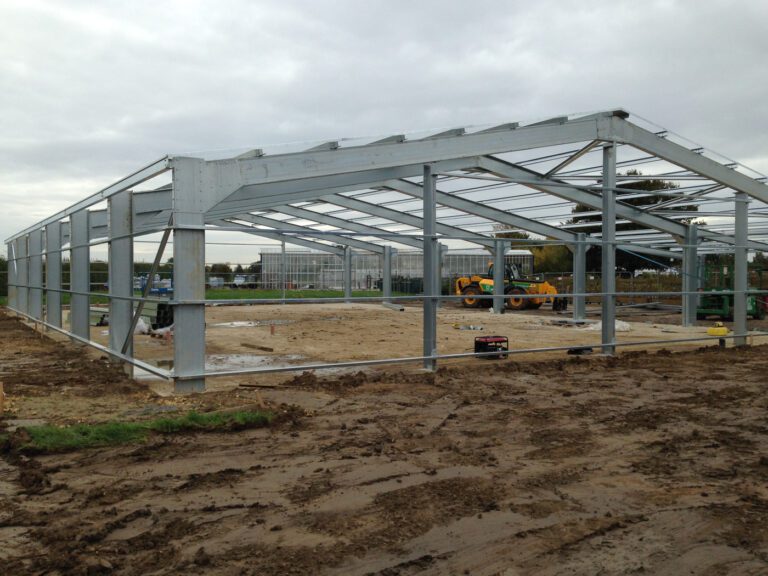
216 362
252 323
219 362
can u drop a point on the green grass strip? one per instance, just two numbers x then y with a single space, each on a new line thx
48 438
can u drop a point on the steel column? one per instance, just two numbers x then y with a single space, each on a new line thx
608 269
120 272
53 274
440 253
386 286
79 275
740 272
11 274
580 276
36 274
431 253
690 276
22 276
498 277
283 269
347 274
189 272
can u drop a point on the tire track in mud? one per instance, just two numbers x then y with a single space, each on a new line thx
573 467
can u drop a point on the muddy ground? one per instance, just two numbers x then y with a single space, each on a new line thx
265 336
649 463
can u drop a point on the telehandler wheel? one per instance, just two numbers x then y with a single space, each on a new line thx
514 302
469 301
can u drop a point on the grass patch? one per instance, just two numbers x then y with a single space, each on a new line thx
62 439
47 438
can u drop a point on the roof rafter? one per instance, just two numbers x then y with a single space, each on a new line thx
538 181
285 226
289 238
350 225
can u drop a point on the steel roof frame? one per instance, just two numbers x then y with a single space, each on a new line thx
253 191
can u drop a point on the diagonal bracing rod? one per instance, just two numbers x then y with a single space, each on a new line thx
147 288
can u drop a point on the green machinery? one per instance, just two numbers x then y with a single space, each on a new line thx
713 303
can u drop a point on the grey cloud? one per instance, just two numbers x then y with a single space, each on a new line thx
93 90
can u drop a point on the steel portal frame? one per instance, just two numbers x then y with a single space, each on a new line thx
394 191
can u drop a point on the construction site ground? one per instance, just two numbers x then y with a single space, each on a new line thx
651 462
274 336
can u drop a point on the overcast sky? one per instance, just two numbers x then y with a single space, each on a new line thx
90 91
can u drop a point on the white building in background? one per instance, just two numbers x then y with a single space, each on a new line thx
320 270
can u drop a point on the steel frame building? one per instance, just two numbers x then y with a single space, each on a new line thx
376 196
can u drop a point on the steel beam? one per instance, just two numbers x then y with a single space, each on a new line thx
431 253
98 223
338 238
80 275
36 274
349 225
403 218
281 237
498 277
579 250
53 274
120 273
440 253
11 275
647 141
312 245
592 199
386 274
608 268
690 276
188 273
560 189
503 217
740 272
283 269
150 171
381 156
572 158
151 210
478 209
347 274
22 272
264 196
146 291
